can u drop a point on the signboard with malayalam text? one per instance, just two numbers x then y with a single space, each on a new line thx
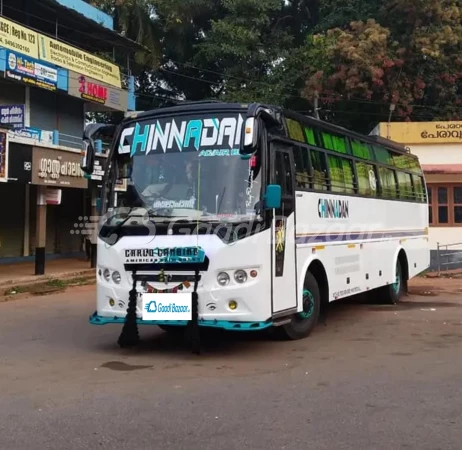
12 115
57 168
423 132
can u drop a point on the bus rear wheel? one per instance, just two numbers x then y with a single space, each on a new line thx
303 323
392 293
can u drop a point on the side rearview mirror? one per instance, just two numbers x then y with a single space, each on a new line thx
252 129
273 196
249 141
88 157
89 147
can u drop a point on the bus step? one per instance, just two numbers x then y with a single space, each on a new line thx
281 321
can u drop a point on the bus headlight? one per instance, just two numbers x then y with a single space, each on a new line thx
223 278
116 278
107 275
240 276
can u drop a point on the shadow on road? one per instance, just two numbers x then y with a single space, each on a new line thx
343 315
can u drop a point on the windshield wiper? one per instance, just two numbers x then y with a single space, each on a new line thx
114 236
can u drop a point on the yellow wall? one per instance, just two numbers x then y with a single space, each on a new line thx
422 132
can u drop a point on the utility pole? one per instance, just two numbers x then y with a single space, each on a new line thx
316 104
392 108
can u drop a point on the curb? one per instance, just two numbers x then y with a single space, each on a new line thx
34 280
44 286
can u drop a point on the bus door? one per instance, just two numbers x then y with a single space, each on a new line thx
284 271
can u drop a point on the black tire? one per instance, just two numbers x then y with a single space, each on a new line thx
172 329
392 293
302 324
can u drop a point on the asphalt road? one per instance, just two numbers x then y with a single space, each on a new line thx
374 378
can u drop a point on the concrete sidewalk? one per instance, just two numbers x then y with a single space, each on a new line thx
23 273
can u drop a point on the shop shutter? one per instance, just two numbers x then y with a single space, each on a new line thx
12 220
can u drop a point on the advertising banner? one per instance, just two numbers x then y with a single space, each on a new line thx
30 71
12 115
63 55
94 91
3 156
18 38
31 136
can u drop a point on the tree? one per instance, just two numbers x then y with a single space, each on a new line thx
359 56
412 64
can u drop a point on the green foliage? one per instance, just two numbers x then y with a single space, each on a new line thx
359 56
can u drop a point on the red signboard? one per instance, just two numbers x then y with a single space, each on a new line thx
92 91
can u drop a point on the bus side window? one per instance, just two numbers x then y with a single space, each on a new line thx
383 155
337 182
320 180
405 186
302 167
419 188
366 173
349 175
388 183
341 174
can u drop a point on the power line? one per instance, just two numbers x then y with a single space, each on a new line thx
266 84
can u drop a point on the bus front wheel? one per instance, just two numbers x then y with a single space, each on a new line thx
303 323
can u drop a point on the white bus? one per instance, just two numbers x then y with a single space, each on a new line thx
247 216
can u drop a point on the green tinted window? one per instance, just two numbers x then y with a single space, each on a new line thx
401 161
335 143
383 155
318 161
405 186
294 130
310 138
349 176
360 149
341 174
419 188
388 182
302 165
336 174
414 165
367 183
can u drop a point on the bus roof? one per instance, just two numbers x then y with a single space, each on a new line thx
206 105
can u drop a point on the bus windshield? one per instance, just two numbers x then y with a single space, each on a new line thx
189 168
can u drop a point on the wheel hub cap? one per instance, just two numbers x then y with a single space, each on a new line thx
308 304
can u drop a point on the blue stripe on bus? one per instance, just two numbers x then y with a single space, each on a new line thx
357 236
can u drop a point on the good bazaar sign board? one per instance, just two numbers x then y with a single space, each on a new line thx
37 46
